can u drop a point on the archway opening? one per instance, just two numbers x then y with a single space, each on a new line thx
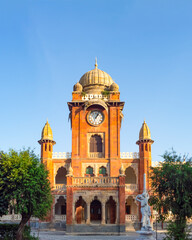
96 211
111 211
61 176
131 209
60 206
130 176
80 211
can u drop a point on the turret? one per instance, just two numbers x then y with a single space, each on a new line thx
144 143
46 143
47 149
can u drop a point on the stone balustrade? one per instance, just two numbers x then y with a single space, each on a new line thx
67 155
96 155
130 218
60 187
15 217
61 155
129 155
60 218
95 96
81 181
131 187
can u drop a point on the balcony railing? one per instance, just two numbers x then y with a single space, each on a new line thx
67 155
60 187
80 181
131 187
96 155
130 218
60 218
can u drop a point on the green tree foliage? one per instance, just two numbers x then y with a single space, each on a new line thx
24 183
172 188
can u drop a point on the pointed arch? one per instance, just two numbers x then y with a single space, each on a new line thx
95 143
130 176
60 177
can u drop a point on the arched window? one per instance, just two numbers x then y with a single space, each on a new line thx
146 147
61 176
130 177
102 171
95 143
89 171
141 147
149 148
45 146
50 147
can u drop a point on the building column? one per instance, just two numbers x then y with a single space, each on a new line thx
88 213
103 213
117 211
73 213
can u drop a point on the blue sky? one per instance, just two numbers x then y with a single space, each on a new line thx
146 47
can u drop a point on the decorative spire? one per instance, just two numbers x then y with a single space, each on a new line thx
47 134
96 63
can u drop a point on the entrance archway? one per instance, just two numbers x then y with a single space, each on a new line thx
60 206
80 211
96 211
111 210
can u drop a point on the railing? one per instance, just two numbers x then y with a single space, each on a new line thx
60 218
96 155
61 155
94 96
131 187
95 181
60 187
130 218
15 217
67 155
130 155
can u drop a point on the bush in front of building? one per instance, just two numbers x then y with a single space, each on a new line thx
9 231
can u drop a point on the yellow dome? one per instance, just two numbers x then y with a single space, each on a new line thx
77 87
144 132
95 80
47 132
114 87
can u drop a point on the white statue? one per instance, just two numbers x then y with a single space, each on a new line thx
145 209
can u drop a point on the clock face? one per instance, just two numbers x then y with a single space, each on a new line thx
95 117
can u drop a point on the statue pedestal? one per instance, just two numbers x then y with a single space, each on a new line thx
145 235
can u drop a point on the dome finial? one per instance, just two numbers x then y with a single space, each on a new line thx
96 63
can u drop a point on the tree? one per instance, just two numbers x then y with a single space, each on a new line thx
172 188
24 182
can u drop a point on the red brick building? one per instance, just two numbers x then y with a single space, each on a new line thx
95 185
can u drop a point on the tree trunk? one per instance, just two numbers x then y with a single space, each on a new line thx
24 220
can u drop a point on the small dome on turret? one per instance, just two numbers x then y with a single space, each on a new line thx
77 87
114 87
47 132
144 132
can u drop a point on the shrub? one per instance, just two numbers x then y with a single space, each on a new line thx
9 231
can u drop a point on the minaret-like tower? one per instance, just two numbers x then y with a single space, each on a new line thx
144 143
47 143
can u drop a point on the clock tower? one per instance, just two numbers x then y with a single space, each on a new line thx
96 114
